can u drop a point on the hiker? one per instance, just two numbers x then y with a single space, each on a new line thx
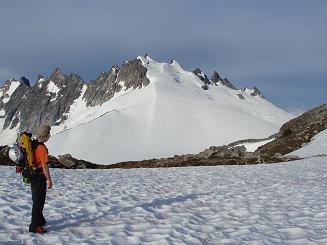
40 180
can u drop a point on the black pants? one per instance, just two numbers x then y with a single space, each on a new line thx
39 190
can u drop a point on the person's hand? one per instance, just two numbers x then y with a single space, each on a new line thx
49 183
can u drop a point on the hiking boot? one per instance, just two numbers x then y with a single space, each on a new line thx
38 230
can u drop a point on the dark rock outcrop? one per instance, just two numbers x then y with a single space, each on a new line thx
103 88
215 78
297 132
241 96
25 81
256 92
228 84
203 77
46 102
133 74
49 100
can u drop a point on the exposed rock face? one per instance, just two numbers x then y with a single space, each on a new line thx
215 78
103 88
228 84
25 81
133 74
13 106
240 96
66 160
4 92
257 92
49 100
46 102
203 77
297 132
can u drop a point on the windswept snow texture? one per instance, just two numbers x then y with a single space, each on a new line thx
284 203
317 146
172 115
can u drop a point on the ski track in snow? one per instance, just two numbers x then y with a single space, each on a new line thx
283 203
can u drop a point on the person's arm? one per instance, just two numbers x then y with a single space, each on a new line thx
47 174
44 158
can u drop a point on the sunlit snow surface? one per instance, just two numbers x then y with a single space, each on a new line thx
283 203
171 116
317 146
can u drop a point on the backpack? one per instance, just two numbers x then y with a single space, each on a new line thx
26 166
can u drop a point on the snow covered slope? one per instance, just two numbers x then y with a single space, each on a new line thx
284 203
317 146
172 115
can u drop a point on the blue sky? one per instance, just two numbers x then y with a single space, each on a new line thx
279 46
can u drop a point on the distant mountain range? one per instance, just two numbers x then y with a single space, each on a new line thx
139 110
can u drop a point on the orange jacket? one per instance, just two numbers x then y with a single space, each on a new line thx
41 155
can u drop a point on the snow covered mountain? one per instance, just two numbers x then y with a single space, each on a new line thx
141 110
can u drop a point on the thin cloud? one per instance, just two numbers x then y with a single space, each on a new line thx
249 42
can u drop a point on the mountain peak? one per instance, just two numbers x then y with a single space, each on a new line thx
257 92
228 84
203 77
25 81
40 77
57 75
254 92
57 71
215 77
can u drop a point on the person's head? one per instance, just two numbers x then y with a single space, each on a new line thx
43 133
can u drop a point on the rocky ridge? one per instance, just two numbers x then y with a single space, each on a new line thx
49 100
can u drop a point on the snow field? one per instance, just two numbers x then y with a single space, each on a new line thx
284 203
